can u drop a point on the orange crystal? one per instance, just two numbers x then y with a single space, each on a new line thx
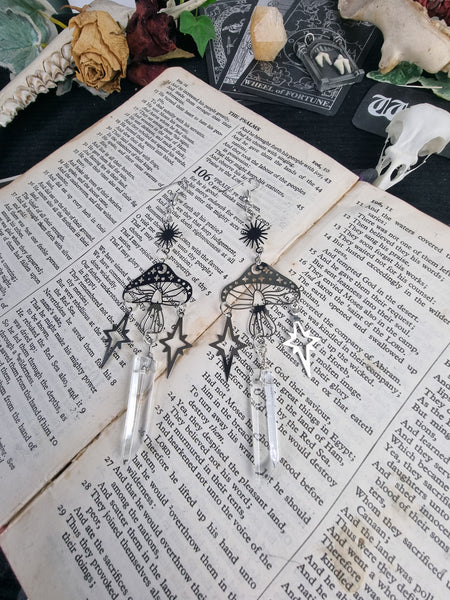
267 32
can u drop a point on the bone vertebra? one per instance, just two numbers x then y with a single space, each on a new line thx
409 34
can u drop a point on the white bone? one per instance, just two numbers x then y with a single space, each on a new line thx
52 65
414 132
409 33
342 65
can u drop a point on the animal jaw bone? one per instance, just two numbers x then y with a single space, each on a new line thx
413 132
409 33
52 65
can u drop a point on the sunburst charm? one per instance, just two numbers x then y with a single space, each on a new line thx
255 233
166 236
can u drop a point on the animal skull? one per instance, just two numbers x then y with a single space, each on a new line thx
409 33
414 132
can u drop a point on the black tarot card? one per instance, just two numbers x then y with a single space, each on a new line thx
286 79
229 55
231 19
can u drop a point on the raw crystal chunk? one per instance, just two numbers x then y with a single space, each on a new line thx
267 32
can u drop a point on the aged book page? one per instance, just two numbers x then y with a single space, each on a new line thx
358 504
80 225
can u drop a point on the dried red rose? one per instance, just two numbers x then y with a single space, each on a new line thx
150 33
143 73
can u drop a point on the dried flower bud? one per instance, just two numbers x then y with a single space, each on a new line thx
99 49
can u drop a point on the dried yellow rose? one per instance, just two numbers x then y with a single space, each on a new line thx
99 49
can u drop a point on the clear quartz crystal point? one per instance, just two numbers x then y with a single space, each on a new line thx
139 404
264 423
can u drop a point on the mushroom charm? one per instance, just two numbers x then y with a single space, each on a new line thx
156 289
159 286
260 289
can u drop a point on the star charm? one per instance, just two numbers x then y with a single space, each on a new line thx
166 236
301 343
115 337
255 233
227 345
175 346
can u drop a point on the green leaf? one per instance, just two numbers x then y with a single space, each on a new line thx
406 74
402 74
34 10
20 40
442 86
200 28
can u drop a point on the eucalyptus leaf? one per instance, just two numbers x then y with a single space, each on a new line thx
36 10
403 74
442 85
406 74
201 29
20 40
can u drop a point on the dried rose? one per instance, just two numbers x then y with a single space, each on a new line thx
150 33
143 73
437 8
99 49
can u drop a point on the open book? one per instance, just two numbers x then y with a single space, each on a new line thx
358 505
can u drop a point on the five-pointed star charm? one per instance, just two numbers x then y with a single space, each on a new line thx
175 346
227 345
115 337
302 340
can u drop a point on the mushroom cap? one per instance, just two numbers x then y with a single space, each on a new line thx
271 285
159 285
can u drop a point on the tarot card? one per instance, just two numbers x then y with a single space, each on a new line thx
230 18
286 79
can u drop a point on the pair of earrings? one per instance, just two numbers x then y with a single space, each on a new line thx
256 290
